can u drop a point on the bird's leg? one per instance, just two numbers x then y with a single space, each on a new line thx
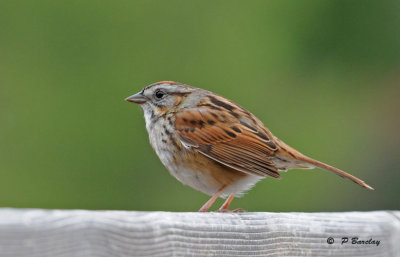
227 202
208 204
224 207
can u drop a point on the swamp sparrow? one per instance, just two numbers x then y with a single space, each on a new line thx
214 145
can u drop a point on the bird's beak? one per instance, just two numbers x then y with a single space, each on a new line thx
138 98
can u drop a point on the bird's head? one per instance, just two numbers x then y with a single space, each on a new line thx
161 97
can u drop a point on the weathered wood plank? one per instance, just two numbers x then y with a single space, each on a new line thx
35 232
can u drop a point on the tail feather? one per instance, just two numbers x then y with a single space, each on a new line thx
291 153
337 171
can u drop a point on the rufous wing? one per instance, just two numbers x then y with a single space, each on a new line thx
235 142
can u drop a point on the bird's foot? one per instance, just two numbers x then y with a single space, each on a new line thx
232 211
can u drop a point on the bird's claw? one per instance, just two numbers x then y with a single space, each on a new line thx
232 211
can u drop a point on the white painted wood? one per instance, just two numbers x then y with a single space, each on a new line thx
54 233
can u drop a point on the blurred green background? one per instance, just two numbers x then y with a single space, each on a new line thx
324 76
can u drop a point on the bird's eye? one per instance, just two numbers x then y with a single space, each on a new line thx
159 94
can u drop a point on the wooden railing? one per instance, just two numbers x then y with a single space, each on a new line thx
53 233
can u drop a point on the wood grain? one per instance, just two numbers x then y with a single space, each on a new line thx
36 232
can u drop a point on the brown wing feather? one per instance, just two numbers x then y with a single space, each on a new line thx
221 136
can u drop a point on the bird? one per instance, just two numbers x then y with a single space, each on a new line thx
214 145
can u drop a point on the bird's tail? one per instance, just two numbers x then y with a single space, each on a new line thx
337 171
305 162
